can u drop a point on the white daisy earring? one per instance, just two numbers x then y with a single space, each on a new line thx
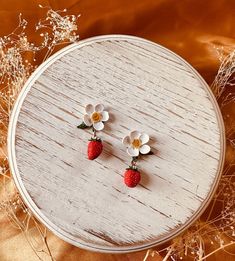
94 117
136 144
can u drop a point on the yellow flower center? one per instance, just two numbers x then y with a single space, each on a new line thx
136 143
96 116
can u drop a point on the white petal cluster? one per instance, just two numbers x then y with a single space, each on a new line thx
135 143
95 116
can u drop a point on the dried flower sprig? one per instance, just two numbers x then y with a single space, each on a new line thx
225 76
216 227
18 59
56 29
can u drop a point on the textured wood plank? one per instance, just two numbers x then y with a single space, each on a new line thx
144 87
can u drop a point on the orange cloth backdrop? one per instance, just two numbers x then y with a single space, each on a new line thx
191 28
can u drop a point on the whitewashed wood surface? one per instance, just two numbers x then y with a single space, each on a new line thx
145 87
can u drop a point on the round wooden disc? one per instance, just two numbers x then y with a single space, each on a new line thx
144 87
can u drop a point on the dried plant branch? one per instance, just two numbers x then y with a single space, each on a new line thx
218 249
56 29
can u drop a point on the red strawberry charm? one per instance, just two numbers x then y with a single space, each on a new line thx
94 148
132 177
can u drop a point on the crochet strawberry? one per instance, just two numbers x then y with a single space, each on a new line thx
94 148
132 177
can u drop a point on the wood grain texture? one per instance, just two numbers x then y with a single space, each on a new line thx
145 87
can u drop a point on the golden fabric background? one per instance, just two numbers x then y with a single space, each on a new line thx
189 28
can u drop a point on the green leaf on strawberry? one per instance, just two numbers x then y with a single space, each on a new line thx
83 126
95 139
132 168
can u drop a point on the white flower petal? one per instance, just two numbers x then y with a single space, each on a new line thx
105 115
144 149
126 141
99 107
144 138
87 120
98 125
132 152
134 135
89 109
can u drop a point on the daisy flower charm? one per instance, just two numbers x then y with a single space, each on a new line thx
136 144
94 118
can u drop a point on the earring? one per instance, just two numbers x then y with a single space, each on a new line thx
136 145
94 118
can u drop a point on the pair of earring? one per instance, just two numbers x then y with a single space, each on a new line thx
135 142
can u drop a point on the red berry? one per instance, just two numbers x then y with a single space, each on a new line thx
94 149
132 177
